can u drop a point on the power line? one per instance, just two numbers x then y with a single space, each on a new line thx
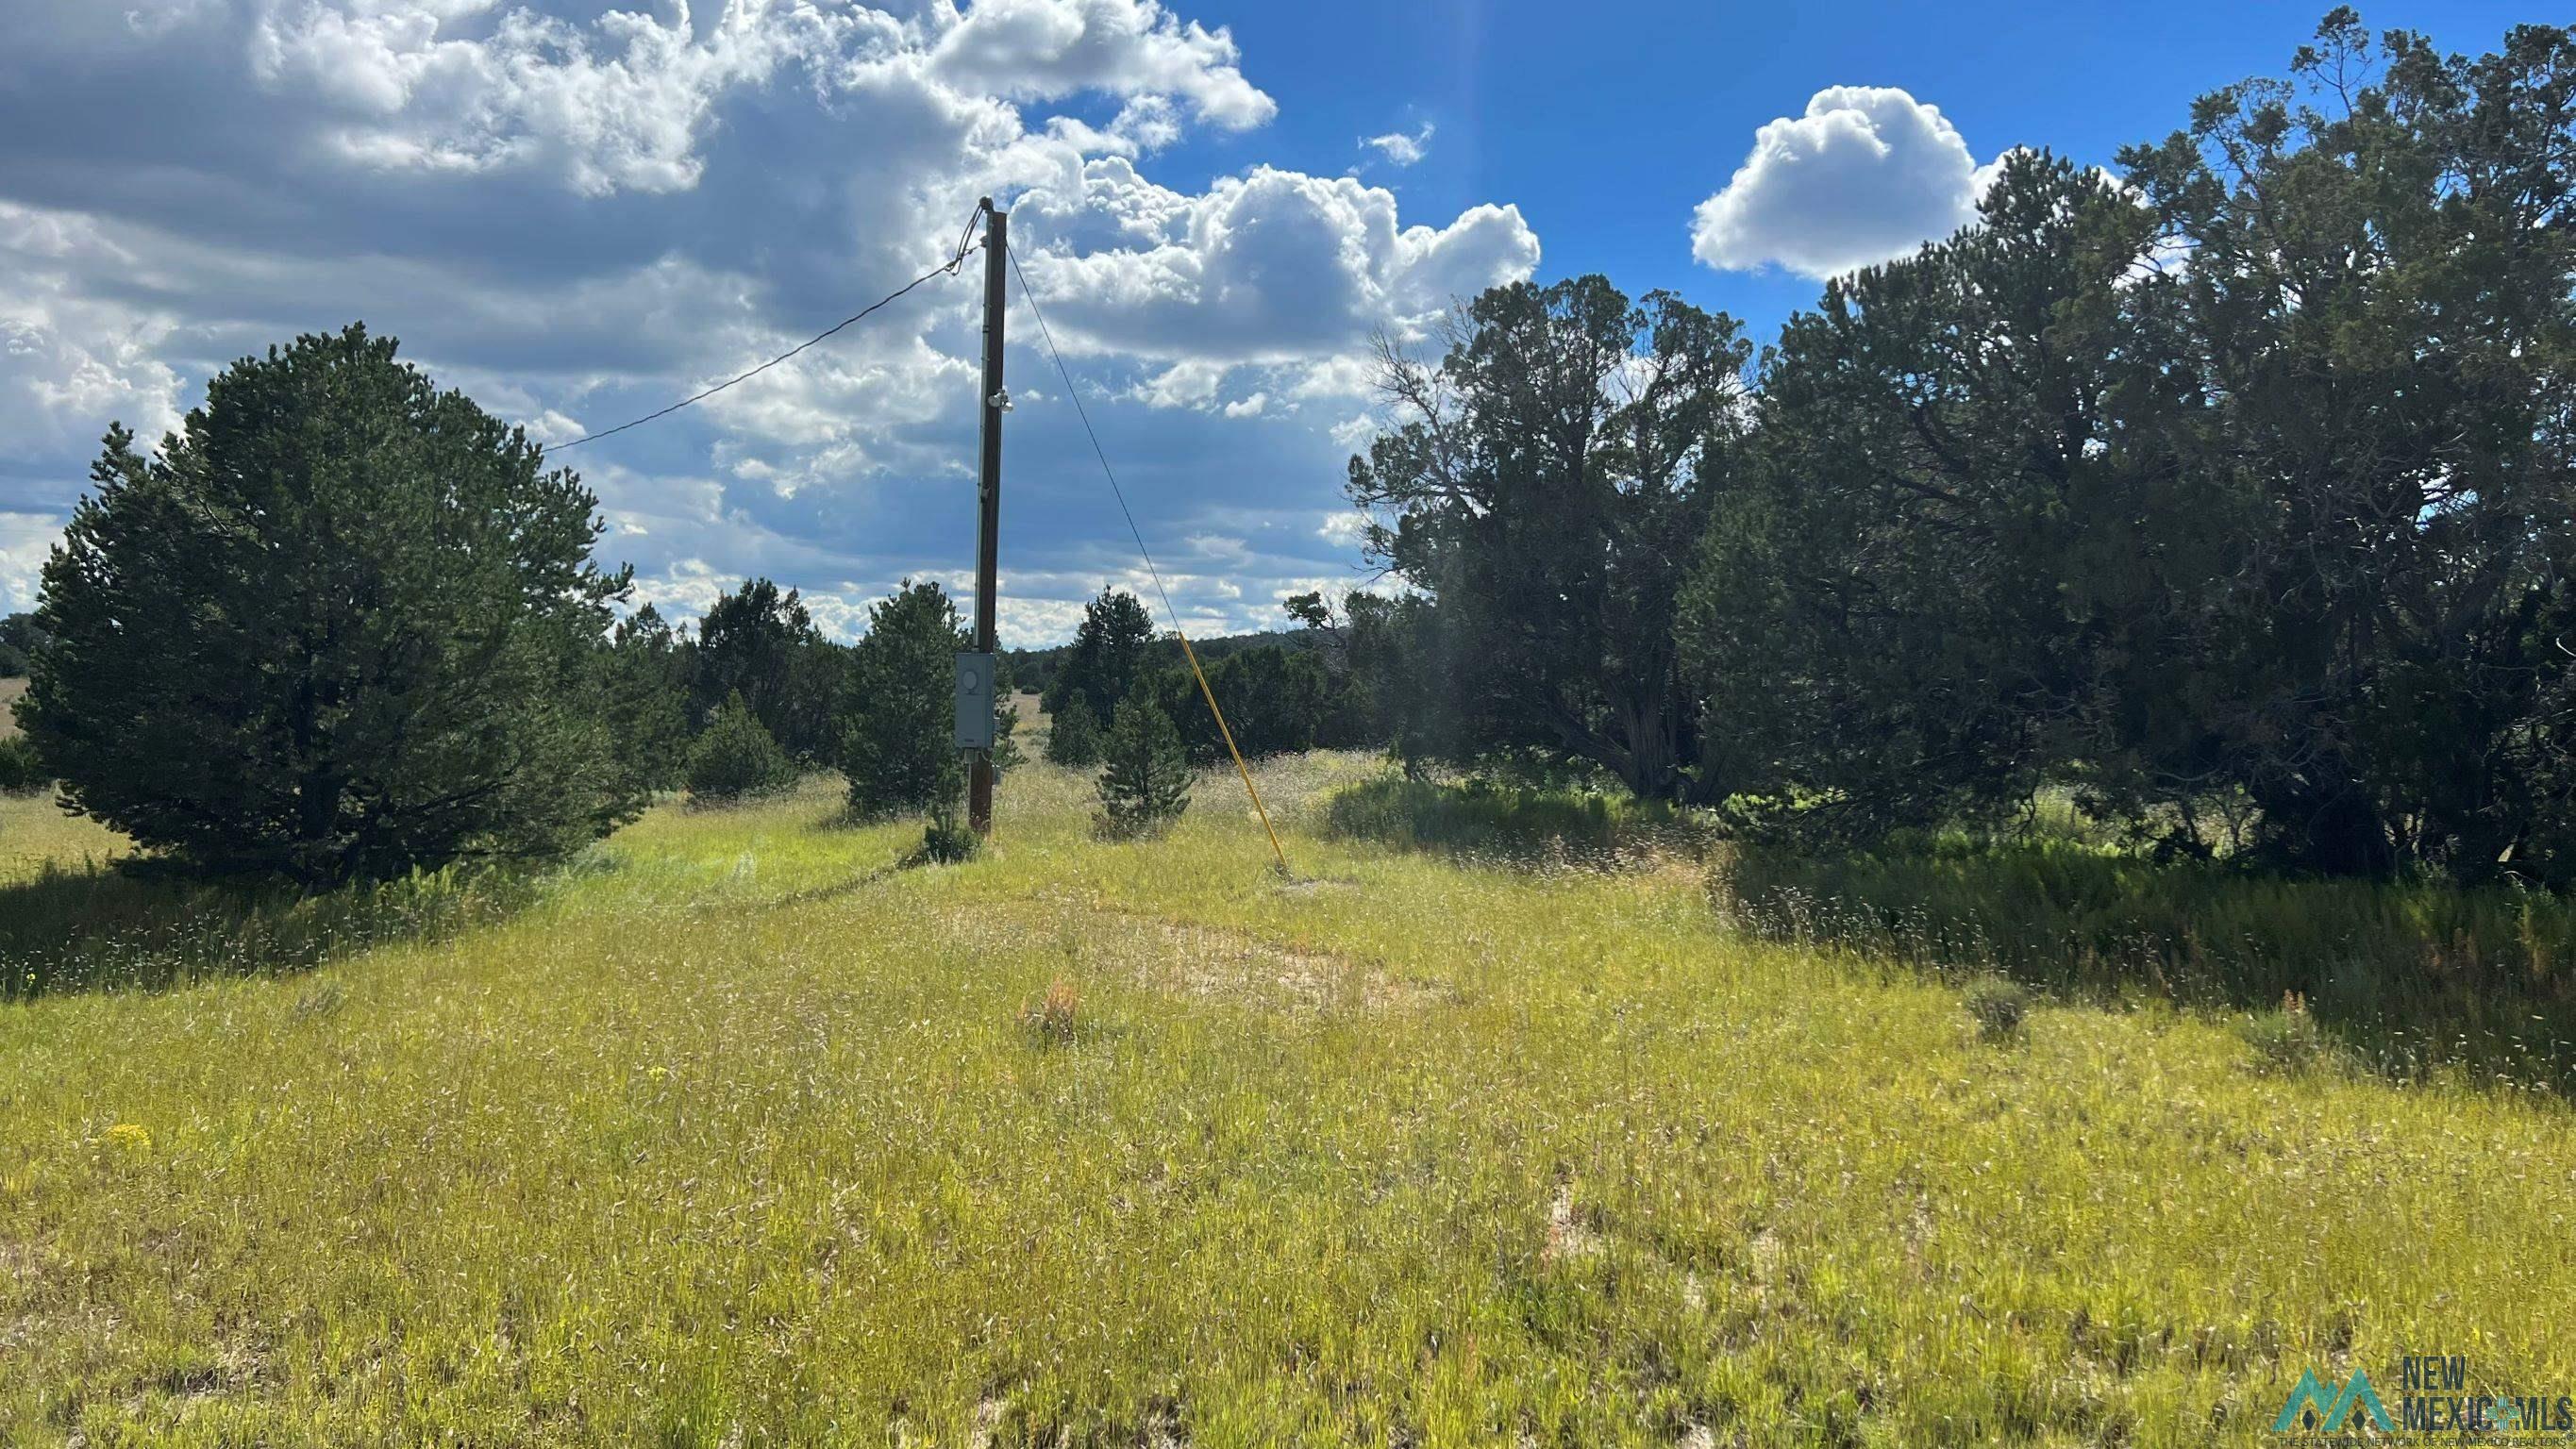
948 267
1075 393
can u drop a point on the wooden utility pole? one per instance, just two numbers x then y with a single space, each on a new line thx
988 515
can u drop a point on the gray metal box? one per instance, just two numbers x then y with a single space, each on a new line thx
975 701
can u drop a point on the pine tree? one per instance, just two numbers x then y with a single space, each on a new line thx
898 714
1145 778
343 626
1073 738
644 684
763 644
1109 655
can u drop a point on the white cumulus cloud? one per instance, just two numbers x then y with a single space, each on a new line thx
1867 174
71 361
1044 49
617 105
583 210
1275 266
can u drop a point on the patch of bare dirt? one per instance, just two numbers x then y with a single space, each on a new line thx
1187 958
1205 961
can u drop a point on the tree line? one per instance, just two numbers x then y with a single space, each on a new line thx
344 625
2234 492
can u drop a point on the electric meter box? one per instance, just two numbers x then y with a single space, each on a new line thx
975 701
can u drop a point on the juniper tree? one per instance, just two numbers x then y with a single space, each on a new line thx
2249 483
1938 558
1275 700
343 625
1545 483
2378 324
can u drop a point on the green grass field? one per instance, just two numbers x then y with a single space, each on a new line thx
737 1133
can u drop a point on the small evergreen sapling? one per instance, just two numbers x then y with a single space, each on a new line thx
947 839
21 773
1007 755
736 758
1145 777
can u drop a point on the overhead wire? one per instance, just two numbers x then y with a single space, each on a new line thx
1074 393
946 268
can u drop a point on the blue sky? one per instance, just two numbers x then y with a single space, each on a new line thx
578 213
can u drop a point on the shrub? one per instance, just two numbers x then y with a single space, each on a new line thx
1073 740
736 759
947 840
1999 1007
20 772
1145 778
1487 819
